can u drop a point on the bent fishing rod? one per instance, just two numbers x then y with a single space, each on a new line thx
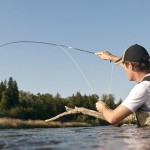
47 43
58 45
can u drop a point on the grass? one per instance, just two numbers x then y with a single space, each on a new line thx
7 123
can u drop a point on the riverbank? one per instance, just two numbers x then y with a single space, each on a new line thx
6 123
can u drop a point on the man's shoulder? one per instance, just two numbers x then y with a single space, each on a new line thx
141 87
145 83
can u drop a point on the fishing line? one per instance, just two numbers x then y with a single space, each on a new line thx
73 60
111 75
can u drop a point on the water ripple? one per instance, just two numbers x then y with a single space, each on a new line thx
89 138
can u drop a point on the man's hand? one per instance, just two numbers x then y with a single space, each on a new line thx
105 55
100 105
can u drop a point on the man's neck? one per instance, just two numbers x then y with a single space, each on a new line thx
140 75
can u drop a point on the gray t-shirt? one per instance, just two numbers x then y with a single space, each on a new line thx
139 97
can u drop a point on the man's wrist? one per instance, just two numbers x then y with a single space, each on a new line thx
105 107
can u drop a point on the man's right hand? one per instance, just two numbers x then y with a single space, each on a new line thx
105 55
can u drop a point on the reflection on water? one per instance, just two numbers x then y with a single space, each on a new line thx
88 138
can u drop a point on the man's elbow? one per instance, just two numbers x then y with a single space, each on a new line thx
113 120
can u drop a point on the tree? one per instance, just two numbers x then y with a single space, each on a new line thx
2 89
13 92
109 100
92 99
120 101
5 104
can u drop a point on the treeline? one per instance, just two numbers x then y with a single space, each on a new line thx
25 105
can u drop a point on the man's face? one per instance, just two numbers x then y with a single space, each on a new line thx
128 69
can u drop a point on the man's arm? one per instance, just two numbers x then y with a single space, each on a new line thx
105 55
113 116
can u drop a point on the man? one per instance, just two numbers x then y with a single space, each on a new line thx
136 64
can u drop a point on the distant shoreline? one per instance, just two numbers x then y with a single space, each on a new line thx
8 123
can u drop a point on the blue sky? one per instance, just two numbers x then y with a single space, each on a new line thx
93 25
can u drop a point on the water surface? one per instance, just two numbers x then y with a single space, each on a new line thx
77 138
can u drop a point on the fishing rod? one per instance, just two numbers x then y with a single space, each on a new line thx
62 46
47 43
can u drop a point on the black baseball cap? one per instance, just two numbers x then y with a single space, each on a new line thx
135 53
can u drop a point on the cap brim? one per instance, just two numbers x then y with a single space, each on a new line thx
118 61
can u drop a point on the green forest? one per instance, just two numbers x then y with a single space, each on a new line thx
15 103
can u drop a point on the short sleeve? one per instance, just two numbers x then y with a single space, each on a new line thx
137 97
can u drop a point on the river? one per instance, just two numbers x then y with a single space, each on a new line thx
76 138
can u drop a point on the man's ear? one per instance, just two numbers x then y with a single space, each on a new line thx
131 66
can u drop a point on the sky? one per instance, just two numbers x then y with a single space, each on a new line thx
93 25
